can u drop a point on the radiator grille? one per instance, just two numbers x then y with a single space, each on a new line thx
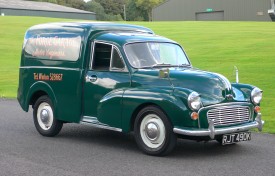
229 115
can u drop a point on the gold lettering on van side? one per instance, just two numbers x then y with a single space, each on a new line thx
35 76
48 53
55 41
55 54
56 77
38 53
60 47
43 77
46 77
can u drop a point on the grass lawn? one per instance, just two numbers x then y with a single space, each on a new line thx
212 46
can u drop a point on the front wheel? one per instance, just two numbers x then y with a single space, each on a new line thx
43 117
153 132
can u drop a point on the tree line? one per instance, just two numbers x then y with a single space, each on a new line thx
114 10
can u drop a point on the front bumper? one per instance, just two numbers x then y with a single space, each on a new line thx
212 131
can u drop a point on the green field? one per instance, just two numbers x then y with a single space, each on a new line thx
213 46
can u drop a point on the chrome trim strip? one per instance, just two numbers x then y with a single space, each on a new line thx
212 131
92 55
59 68
224 80
92 121
224 104
237 74
89 119
229 115
111 61
102 126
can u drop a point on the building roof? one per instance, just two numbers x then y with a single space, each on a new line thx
39 6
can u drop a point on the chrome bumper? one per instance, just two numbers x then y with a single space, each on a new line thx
212 132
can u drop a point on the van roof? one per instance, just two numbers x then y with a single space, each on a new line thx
91 26
122 38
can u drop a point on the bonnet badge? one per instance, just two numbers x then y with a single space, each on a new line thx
229 97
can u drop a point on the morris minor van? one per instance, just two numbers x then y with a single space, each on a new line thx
126 78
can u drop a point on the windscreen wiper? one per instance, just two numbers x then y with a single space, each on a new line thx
166 65
161 65
170 65
184 65
157 65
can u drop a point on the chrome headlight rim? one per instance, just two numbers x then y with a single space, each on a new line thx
194 101
256 95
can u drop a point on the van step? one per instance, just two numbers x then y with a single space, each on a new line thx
89 119
92 121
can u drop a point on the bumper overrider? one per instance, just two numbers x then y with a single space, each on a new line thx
212 131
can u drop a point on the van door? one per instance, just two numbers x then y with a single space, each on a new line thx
104 85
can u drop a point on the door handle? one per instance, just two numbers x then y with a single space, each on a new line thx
92 78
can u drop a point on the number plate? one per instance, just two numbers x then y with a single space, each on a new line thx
235 137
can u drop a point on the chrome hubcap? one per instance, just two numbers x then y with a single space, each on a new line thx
152 131
44 115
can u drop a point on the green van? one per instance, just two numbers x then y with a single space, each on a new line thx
125 78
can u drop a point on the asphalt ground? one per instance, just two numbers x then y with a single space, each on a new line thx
84 150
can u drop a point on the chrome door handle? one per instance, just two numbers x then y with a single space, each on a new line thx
92 78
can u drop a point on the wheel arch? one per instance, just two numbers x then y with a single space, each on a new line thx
35 96
135 100
39 89
157 138
138 109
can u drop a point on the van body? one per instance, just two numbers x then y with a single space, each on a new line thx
125 78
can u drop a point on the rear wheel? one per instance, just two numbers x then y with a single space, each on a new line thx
43 117
153 132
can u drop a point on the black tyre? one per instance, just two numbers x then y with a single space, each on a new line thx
43 117
154 132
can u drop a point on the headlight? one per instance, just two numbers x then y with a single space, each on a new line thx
256 95
194 101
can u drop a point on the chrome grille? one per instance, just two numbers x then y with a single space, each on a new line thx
229 115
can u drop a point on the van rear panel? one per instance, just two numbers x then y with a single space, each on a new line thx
51 63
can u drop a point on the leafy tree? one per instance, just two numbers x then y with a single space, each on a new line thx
52 1
96 7
111 17
134 13
114 7
147 5
93 6
78 4
61 2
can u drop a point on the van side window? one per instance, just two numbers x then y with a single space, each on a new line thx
102 56
107 58
117 62
53 46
